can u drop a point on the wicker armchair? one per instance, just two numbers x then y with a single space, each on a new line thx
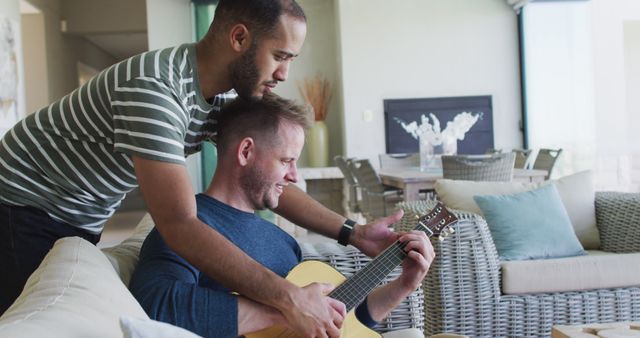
353 201
546 160
497 167
379 200
463 288
522 158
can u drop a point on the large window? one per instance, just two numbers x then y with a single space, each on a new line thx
581 68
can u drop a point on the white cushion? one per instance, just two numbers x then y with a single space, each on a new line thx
124 256
75 292
597 270
576 191
148 328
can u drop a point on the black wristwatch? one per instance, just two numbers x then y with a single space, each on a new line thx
345 232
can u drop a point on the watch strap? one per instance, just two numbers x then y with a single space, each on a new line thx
345 232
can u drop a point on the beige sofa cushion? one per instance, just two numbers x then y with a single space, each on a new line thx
124 256
577 192
149 328
74 293
596 270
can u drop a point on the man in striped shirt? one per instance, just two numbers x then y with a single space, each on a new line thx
65 168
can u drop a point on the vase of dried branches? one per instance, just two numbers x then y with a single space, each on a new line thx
317 93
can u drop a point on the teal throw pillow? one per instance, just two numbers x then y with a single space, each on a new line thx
530 225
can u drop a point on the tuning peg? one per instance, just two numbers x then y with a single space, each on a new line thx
441 238
451 230
417 216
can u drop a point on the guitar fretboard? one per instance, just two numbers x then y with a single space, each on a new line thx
355 289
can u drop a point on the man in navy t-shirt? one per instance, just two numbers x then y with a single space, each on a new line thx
259 143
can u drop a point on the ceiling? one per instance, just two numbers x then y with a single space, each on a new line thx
120 46
27 8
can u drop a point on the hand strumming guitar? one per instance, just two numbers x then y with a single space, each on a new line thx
309 305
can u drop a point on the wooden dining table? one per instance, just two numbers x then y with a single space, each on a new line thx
412 180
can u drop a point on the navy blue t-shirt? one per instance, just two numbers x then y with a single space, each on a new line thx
171 290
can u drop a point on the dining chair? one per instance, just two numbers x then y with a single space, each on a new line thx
379 200
354 200
405 161
393 161
522 158
546 160
497 167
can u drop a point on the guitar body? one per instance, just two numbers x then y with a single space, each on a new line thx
436 223
309 272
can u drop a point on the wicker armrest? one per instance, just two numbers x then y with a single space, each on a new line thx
463 283
348 260
618 219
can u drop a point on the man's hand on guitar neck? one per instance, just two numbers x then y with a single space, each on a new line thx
420 255
376 236
313 314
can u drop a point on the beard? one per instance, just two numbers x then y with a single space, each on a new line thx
245 74
258 190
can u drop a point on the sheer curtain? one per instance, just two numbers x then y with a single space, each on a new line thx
582 66
517 4
559 82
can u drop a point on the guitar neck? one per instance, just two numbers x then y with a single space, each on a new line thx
355 289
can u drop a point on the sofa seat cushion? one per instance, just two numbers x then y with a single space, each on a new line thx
75 292
597 270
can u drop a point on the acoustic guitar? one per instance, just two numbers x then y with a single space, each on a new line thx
352 291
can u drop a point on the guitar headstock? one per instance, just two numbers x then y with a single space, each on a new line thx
437 222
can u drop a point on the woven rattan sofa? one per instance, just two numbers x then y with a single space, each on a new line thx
463 288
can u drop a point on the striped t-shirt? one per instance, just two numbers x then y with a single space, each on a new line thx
72 159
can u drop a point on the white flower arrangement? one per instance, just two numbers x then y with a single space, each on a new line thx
431 132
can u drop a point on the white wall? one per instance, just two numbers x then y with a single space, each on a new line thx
36 77
318 55
169 23
63 51
161 35
10 9
426 48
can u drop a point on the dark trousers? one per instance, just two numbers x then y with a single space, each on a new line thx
26 236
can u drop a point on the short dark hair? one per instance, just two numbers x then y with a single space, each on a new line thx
258 119
260 16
